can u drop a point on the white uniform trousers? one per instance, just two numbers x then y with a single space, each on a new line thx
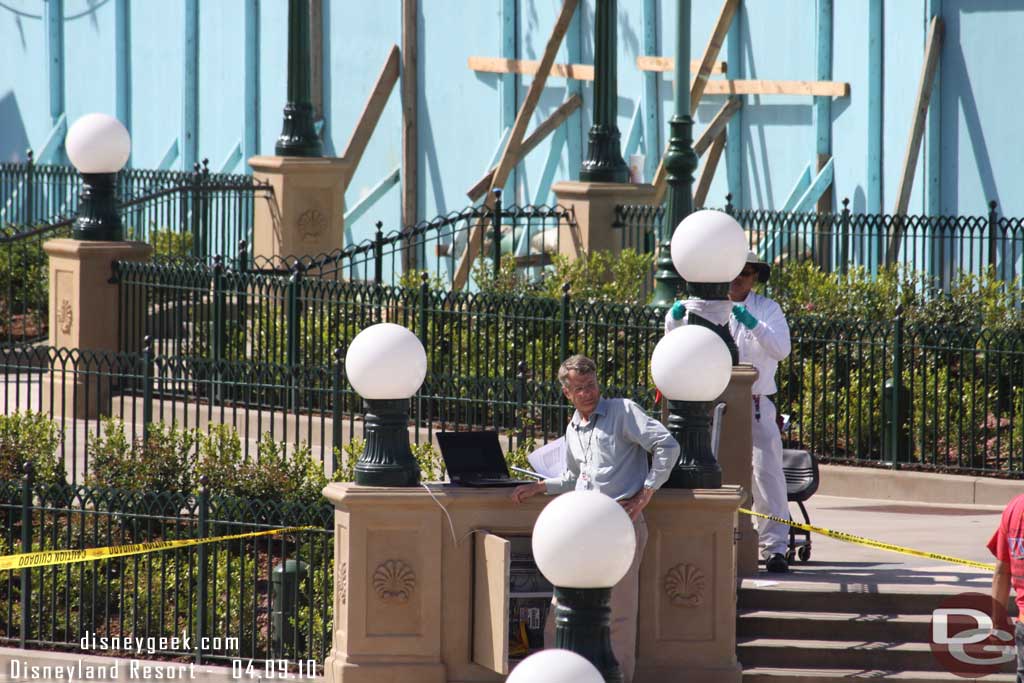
768 482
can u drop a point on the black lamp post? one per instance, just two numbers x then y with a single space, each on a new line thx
298 134
98 145
386 365
584 543
680 164
604 162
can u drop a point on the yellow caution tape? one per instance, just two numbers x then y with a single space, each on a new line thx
851 538
45 558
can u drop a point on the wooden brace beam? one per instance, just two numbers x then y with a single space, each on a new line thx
564 111
515 139
707 173
579 72
699 85
373 109
924 93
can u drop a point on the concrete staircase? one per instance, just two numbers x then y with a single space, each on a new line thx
807 632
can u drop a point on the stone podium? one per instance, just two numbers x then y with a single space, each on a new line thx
421 586
594 204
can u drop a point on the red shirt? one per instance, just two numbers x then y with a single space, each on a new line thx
1007 544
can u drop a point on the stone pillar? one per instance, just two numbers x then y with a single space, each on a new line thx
85 313
735 452
411 565
687 607
306 214
594 204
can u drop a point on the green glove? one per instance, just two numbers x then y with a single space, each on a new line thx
743 316
678 310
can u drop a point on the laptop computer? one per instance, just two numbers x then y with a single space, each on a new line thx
475 459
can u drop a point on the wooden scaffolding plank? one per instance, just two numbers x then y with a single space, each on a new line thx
410 136
699 84
924 92
546 127
373 109
707 173
529 67
717 125
668 65
515 140
763 87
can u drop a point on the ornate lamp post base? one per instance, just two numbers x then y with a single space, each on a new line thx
604 162
582 620
98 218
387 459
690 423
298 134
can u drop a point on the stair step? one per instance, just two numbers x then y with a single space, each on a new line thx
794 675
834 625
870 601
851 654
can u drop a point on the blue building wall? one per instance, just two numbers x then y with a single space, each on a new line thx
972 152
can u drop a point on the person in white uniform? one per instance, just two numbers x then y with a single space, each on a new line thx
761 332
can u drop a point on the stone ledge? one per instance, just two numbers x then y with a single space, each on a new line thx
921 487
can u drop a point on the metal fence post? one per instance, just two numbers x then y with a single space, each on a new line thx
147 387
896 398
563 322
294 313
337 415
844 237
195 210
204 209
520 401
204 506
378 255
496 234
993 227
26 547
729 208
30 167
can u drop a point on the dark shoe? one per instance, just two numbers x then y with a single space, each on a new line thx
777 564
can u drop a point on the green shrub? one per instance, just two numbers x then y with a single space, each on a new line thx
161 464
30 437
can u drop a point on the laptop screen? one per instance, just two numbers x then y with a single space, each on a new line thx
472 454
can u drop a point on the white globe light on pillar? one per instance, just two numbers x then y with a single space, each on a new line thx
98 145
584 543
386 364
555 666
692 366
709 249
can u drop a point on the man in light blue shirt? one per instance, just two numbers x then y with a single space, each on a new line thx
609 441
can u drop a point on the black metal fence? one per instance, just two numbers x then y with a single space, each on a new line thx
477 239
942 246
180 214
261 598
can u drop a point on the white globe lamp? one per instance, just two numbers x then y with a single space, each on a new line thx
709 247
555 666
99 146
584 543
692 366
386 365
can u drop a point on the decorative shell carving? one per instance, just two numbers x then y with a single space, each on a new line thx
312 223
342 580
65 315
684 585
394 581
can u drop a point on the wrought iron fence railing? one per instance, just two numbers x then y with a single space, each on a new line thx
525 237
942 246
221 594
180 214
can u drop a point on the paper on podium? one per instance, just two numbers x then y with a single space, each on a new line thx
549 460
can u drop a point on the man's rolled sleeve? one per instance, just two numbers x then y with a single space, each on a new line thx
652 436
567 480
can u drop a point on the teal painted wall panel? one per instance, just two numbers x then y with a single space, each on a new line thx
850 114
156 57
981 142
779 138
24 95
459 110
89 60
355 50
221 79
903 54
273 70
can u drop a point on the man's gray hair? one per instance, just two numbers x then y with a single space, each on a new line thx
580 363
